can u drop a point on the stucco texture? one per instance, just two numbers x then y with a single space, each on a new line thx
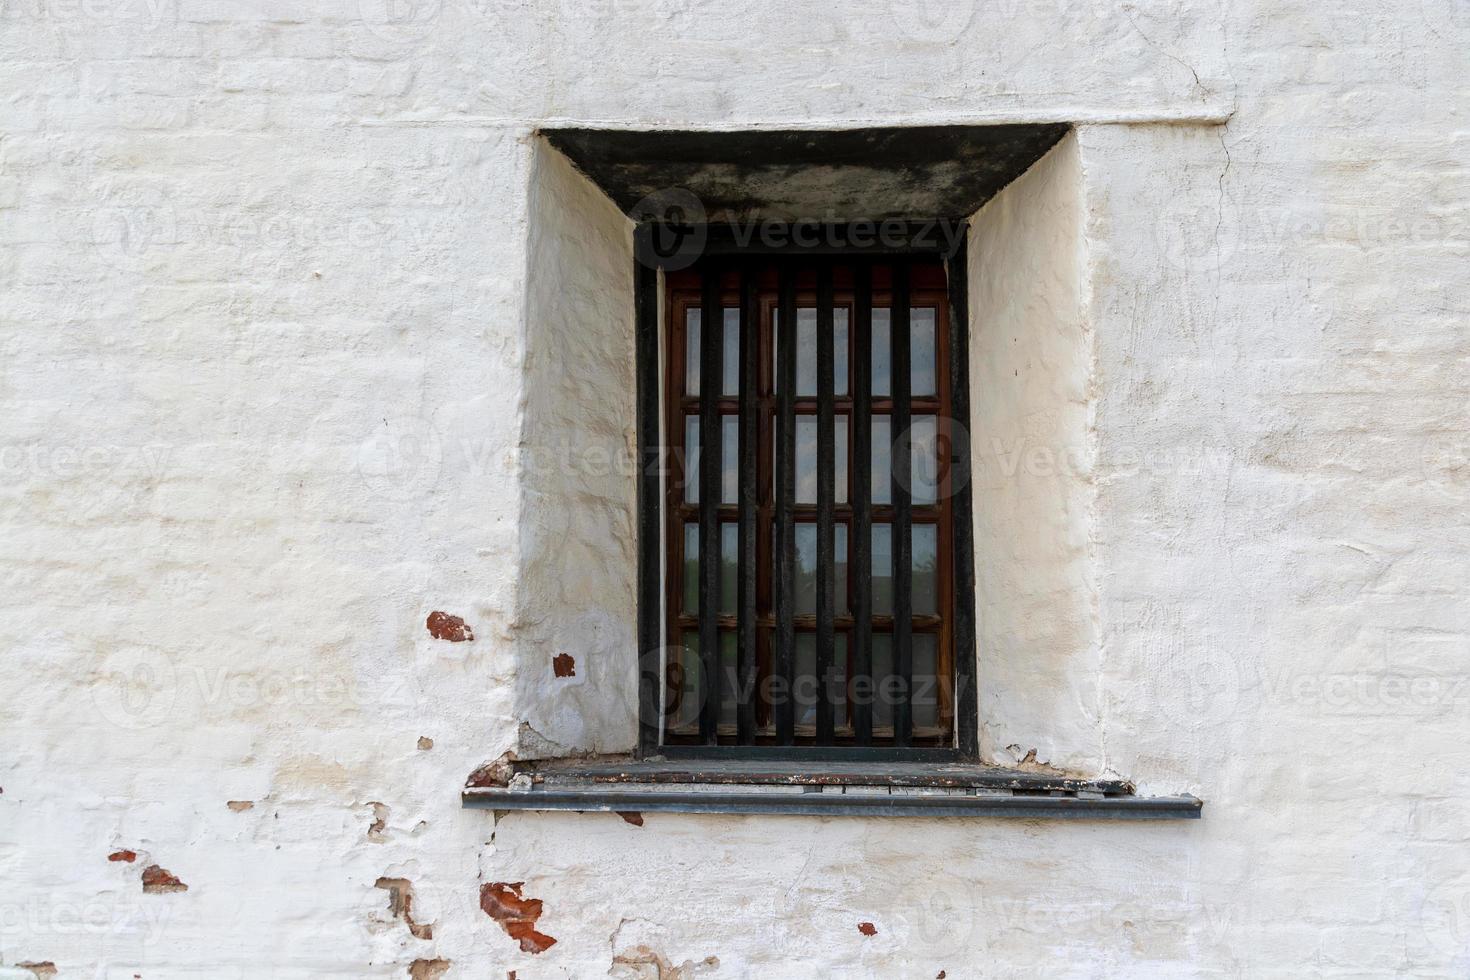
281 339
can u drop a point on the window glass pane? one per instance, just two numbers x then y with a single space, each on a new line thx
925 699
924 585
691 459
839 546
806 569
882 569
684 678
923 370
924 449
806 352
809 687
883 688
882 350
839 350
729 566
729 459
806 459
691 351
691 569
729 674
923 362
731 351
881 472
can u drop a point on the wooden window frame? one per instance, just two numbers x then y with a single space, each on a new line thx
748 279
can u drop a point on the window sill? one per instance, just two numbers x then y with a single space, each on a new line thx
866 789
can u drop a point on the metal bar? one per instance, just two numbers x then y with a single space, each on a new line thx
650 541
860 534
901 458
749 447
826 494
827 803
784 659
967 695
711 380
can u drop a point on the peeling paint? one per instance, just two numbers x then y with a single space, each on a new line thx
379 824
635 963
240 806
427 969
425 743
157 881
400 904
517 915
443 626
42 969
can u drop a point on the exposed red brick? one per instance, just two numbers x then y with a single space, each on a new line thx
44 969
517 915
563 665
443 626
400 903
497 773
867 929
157 881
940 975
427 969
128 856
632 816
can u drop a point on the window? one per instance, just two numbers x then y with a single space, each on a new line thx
822 470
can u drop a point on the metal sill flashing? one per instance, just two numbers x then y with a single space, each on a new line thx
831 789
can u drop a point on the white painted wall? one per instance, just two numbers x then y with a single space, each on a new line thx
1031 366
265 350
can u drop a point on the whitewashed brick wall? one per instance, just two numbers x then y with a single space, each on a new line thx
266 331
